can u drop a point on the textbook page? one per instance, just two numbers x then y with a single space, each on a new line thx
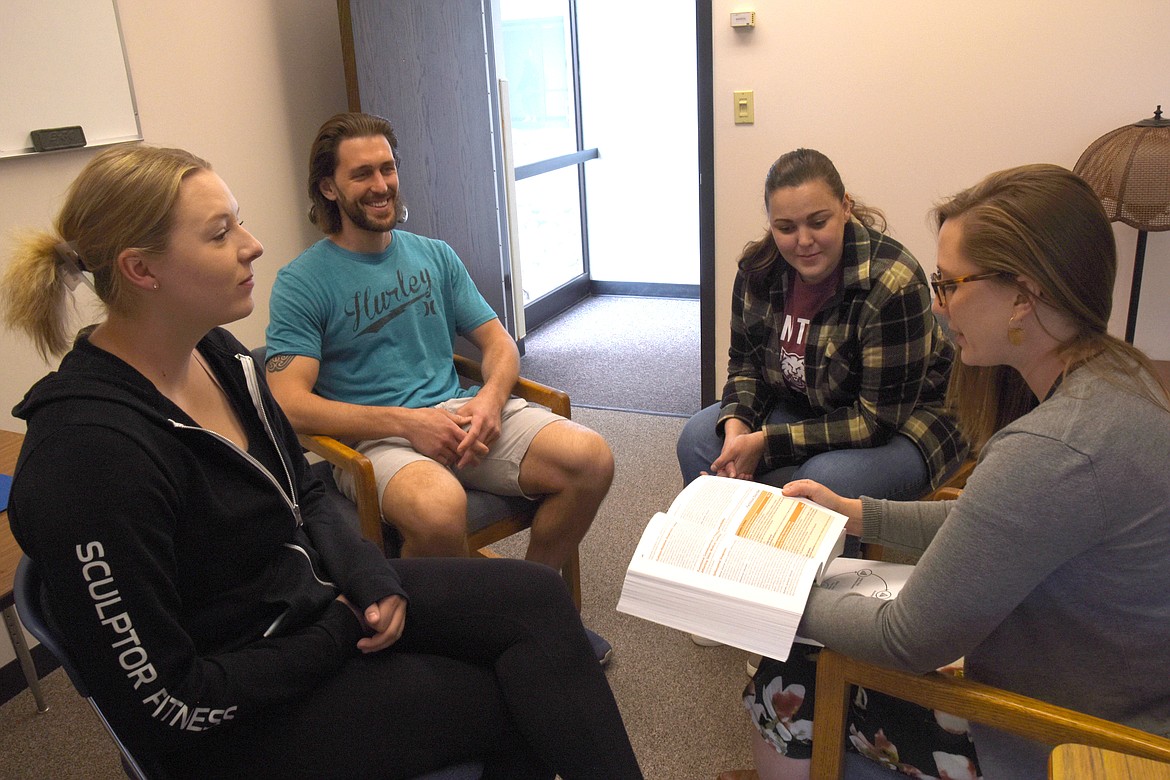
761 513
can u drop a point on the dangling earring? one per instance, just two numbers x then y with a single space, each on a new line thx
1015 332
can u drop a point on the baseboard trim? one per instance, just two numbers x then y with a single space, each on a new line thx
565 297
631 411
545 308
12 679
644 289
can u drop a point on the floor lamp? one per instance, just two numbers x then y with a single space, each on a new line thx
1130 170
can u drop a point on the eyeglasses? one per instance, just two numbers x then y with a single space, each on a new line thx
943 286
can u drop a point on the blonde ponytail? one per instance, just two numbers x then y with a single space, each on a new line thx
124 198
36 295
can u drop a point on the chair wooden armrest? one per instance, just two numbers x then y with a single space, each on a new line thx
535 392
366 488
1021 715
954 485
945 493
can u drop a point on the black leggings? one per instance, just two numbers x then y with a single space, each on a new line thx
493 665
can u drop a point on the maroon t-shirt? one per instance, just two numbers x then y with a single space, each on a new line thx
804 301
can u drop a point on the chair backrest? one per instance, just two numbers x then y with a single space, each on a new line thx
28 592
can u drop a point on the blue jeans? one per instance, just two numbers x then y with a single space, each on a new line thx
894 470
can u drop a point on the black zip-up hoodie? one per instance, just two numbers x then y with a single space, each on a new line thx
194 583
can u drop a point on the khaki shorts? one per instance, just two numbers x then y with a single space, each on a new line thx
498 472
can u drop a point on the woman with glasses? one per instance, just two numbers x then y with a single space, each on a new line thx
1048 574
837 370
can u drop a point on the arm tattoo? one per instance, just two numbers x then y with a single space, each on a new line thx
278 363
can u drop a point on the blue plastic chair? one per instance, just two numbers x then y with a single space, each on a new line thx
30 606
34 614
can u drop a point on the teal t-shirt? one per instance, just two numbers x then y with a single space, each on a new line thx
382 325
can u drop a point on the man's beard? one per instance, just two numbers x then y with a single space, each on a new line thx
360 218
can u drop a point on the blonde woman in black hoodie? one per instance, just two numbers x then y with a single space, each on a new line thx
227 623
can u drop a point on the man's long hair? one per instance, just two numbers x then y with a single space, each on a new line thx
325 213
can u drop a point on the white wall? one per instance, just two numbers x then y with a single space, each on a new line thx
914 101
244 85
639 106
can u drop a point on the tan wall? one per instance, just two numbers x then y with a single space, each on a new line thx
914 101
244 85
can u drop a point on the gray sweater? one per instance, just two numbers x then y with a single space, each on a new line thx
1050 574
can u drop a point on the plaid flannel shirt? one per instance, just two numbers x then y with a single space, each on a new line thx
876 362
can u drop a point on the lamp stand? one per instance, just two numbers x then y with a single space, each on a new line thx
1136 287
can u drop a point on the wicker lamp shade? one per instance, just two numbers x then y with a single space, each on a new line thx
1129 168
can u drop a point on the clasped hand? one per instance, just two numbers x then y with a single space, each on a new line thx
385 619
742 451
456 439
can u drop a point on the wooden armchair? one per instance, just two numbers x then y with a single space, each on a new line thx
490 518
951 488
1020 715
1012 712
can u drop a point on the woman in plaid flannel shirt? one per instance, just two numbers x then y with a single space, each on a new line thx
837 369
837 372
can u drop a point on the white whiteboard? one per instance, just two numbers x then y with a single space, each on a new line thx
62 63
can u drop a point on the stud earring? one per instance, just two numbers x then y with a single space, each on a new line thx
156 285
1015 332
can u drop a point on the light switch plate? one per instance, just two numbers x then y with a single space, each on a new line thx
744 107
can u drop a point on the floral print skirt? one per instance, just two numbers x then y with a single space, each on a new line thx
911 739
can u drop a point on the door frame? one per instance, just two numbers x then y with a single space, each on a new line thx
705 73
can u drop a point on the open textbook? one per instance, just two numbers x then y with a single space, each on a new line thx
733 561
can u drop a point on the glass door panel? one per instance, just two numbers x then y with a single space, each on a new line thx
539 64
538 49
548 209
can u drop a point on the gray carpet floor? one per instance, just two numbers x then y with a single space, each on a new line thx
621 352
680 701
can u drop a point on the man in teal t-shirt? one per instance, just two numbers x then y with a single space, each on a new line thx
360 347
